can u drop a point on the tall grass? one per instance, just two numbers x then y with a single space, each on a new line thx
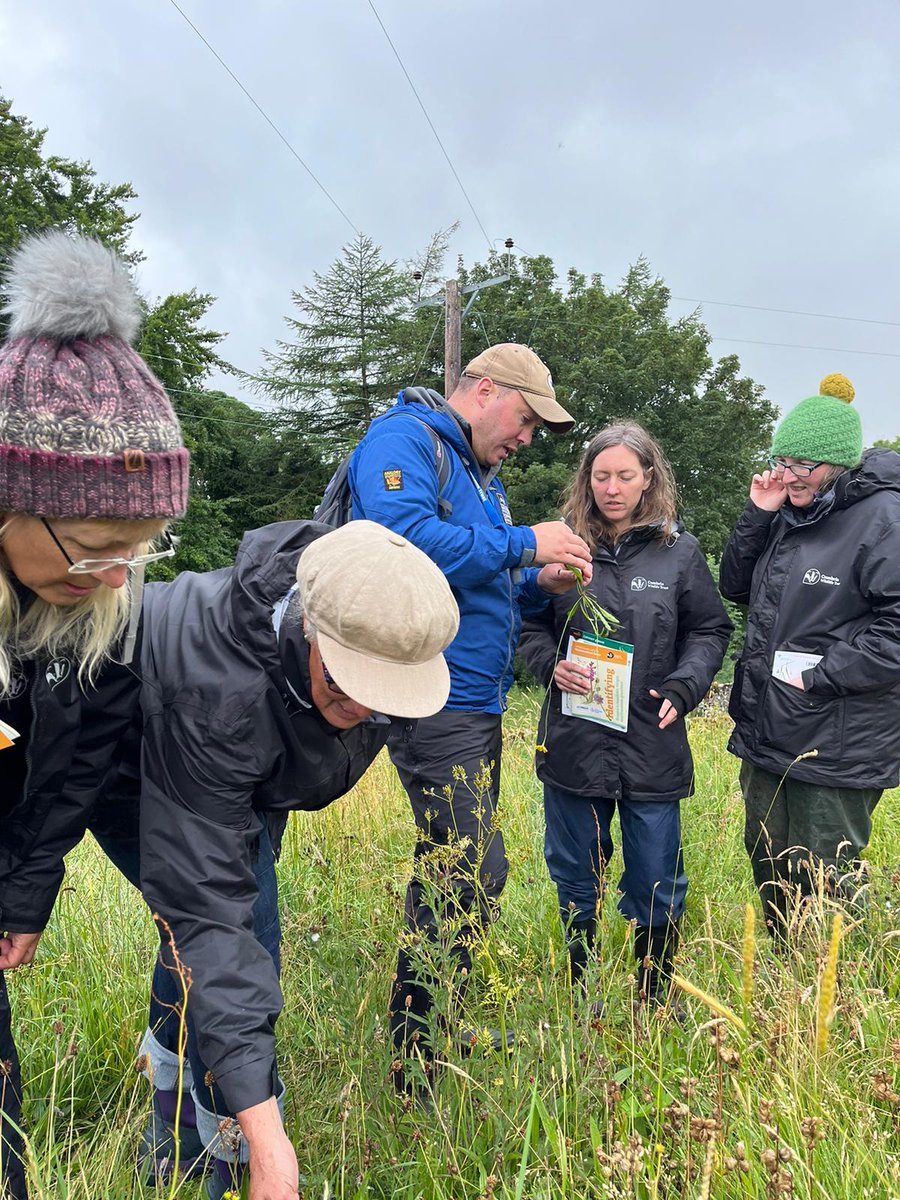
798 1096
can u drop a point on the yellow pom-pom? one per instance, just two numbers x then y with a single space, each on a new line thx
838 386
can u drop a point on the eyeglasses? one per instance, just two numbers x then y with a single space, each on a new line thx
801 470
94 566
333 685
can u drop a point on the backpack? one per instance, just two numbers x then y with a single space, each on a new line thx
336 506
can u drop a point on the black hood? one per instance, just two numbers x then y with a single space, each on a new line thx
879 471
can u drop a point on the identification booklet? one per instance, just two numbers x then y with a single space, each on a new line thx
610 665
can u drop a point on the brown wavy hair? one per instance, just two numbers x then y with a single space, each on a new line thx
658 504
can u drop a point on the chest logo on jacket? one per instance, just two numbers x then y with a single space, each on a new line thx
16 687
57 671
814 575
640 584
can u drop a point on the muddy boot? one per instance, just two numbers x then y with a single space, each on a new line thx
654 949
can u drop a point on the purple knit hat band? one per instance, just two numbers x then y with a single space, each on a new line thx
86 429
132 486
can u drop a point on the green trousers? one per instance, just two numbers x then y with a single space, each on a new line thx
793 831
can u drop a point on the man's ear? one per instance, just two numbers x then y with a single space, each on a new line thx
484 389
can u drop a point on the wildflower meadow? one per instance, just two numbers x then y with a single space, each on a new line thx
780 1078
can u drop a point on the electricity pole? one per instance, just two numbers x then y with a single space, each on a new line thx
452 331
453 320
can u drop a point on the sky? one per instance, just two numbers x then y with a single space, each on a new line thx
751 153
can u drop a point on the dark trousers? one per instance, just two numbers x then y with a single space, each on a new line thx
793 830
12 1170
449 765
165 990
578 846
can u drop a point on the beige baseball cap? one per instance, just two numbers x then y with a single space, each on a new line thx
383 614
516 366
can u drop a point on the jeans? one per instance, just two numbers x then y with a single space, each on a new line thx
578 846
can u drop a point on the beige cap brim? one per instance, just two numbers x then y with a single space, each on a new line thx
396 689
551 413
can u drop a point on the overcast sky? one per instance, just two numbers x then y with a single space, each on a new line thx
751 154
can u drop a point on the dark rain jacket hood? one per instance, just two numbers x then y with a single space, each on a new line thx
828 584
666 600
231 740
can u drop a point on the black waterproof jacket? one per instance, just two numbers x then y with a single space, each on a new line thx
72 736
666 600
830 585
230 741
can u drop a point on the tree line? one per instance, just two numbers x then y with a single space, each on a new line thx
354 337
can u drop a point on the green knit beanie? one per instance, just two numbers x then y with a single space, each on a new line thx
823 428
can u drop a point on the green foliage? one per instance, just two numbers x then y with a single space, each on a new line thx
340 368
884 444
178 348
637 1107
615 355
49 192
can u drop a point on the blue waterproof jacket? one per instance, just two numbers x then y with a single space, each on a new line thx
466 530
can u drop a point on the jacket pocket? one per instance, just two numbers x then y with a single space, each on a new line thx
795 722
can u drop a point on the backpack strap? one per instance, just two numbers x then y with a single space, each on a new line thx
442 459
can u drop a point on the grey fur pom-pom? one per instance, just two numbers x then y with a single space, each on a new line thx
65 287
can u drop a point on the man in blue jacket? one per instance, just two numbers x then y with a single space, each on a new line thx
449 764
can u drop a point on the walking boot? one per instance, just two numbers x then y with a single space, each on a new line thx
409 1008
168 1131
580 939
225 1180
655 948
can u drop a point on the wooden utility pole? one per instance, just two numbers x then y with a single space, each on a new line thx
453 320
451 337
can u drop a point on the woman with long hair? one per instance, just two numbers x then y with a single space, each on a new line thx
92 467
653 577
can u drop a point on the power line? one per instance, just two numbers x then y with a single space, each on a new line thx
216 420
584 327
791 312
792 346
430 123
262 112
428 347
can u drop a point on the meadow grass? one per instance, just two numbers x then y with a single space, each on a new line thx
783 1082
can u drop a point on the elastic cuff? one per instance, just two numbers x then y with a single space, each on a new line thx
165 1069
221 1134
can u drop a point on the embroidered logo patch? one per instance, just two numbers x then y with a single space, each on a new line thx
57 671
393 480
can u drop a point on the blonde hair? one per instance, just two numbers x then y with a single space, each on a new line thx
657 505
88 630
